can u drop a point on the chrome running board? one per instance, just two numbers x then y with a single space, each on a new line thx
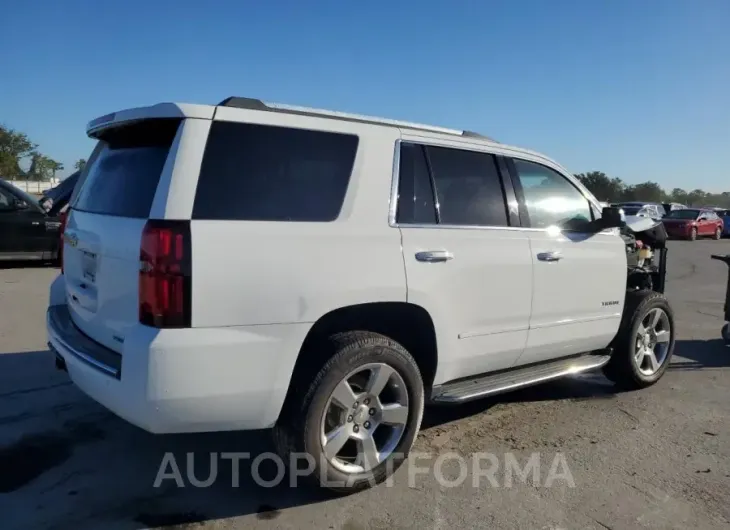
506 380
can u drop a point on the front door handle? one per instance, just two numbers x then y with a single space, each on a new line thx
549 256
434 256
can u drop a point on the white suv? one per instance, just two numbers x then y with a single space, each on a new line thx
249 265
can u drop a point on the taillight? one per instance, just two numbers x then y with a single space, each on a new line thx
62 217
165 274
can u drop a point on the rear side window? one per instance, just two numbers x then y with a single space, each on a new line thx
468 187
122 177
415 193
256 172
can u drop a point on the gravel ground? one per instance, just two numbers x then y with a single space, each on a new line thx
657 458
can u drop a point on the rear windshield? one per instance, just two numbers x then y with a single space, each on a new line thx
683 214
122 176
265 173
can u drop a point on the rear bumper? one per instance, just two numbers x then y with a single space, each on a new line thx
188 380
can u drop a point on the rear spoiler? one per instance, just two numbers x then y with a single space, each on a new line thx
161 110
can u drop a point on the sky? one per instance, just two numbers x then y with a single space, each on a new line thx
638 89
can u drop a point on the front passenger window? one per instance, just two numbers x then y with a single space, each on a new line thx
551 199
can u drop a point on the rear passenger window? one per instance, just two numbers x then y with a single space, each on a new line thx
263 173
122 178
415 194
468 187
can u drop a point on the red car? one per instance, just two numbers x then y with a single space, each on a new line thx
692 223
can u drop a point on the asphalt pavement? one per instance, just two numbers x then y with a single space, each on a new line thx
573 454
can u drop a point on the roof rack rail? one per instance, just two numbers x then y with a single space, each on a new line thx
257 104
472 134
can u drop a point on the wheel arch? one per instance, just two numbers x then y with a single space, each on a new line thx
406 323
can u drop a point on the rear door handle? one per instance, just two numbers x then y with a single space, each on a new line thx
549 256
434 256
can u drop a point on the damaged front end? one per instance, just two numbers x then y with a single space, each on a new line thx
646 253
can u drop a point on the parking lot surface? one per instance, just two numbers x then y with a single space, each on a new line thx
657 458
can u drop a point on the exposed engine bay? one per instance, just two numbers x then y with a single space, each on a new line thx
646 253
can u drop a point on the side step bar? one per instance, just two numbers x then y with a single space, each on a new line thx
504 381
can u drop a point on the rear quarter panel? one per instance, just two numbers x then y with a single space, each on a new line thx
254 273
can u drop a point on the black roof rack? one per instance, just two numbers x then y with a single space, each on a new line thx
257 104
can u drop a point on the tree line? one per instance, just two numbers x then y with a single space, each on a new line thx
609 189
17 150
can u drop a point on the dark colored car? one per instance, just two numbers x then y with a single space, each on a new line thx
27 230
692 223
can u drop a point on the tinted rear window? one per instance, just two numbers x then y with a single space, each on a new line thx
123 175
264 173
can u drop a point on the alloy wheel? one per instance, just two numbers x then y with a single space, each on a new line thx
652 341
365 418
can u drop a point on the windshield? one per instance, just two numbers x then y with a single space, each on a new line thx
27 197
631 210
65 187
683 214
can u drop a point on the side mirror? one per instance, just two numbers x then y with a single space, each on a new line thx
610 218
20 204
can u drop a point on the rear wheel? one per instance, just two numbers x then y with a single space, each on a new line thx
360 416
644 344
693 234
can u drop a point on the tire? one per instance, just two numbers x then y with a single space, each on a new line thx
302 425
693 235
628 368
718 233
726 333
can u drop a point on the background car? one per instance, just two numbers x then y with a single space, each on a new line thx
692 223
27 230
669 206
642 209
725 216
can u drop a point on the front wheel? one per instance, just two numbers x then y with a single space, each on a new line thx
644 344
360 416
718 233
